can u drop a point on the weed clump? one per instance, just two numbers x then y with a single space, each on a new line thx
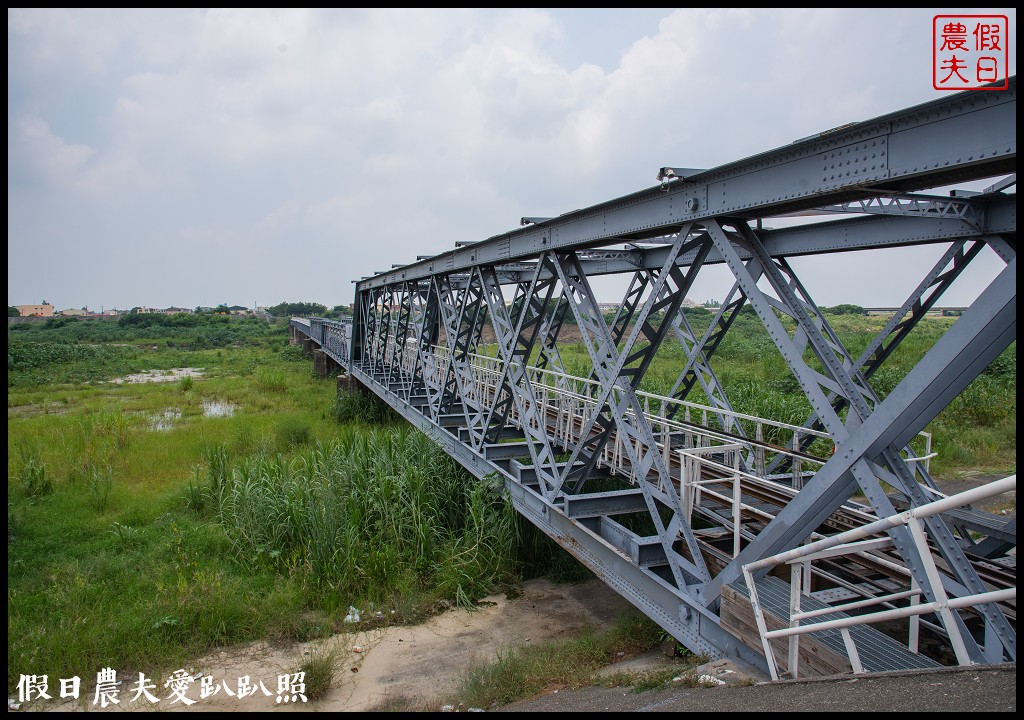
34 479
351 407
319 667
293 432
270 381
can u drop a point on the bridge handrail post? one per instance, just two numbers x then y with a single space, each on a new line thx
853 541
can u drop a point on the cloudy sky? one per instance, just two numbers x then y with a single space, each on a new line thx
197 157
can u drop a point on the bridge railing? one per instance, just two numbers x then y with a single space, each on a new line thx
672 420
333 336
869 538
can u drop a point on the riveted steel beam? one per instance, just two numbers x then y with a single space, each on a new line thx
863 407
958 138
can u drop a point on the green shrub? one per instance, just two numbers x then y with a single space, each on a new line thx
270 381
292 432
360 407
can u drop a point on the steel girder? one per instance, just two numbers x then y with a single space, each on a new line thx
877 232
902 204
418 328
958 138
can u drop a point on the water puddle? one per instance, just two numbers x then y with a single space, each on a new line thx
218 408
165 420
33 410
158 376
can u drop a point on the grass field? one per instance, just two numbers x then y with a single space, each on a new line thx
151 522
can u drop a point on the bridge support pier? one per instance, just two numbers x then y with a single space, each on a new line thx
307 347
324 365
348 383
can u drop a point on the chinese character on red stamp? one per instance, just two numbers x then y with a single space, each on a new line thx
970 52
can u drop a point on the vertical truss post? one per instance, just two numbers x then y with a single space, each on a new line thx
617 406
429 336
462 313
372 310
382 329
359 328
396 368
516 336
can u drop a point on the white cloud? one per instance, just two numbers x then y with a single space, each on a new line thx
368 137
48 157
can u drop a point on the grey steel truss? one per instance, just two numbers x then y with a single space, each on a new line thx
669 499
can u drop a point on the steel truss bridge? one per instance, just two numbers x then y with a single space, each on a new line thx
686 505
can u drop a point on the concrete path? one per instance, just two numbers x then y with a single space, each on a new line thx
991 688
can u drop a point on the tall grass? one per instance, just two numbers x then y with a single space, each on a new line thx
360 407
32 471
376 515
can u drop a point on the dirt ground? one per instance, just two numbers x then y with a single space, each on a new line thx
1005 504
415 663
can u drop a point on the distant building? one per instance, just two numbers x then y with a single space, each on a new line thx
74 312
237 310
45 310
176 310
